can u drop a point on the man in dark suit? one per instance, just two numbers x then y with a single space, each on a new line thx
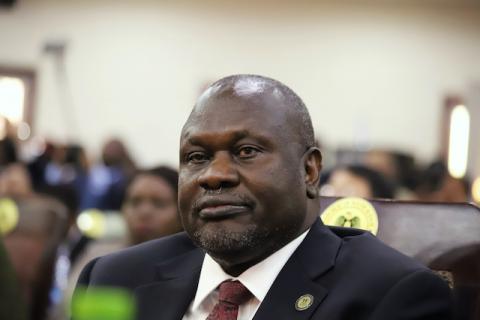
254 247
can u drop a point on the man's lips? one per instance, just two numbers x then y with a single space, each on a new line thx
222 212
215 208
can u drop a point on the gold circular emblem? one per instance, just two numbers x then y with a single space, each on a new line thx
351 212
8 215
304 302
92 223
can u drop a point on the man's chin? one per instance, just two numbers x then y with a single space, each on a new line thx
220 242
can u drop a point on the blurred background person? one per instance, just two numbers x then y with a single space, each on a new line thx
39 161
355 181
15 181
8 151
107 180
67 169
436 184
398 168
150 205
149 210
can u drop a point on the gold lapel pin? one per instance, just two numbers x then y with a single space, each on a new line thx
304 302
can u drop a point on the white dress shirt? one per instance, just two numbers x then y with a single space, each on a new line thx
258 279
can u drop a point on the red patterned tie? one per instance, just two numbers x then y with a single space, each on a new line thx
231 295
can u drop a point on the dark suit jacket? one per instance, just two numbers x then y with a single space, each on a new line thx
350 274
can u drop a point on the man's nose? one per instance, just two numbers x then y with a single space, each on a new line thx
220 173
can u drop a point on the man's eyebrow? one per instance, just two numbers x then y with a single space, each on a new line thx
235 136
238 135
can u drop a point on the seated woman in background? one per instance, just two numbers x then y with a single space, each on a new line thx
355 181
150 205
149 210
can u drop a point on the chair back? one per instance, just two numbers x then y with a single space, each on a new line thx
11 303
443 236
32 247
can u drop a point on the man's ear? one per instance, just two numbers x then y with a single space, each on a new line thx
313 166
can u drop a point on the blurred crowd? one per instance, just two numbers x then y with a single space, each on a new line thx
110 203
390 174
113 190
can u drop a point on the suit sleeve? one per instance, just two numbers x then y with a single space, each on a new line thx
420 295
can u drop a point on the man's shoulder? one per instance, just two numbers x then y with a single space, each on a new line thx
162 248
365 248
130 266
378 281
154 251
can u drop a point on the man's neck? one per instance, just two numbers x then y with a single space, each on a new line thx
234 266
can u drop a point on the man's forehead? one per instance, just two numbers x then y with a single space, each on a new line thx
195 135
239 116
232 118
245 102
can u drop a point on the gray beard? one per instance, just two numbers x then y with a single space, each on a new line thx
225 241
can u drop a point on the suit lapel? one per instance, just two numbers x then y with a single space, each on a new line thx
169 297
177 280
298 285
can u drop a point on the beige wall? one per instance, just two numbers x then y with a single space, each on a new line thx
371 73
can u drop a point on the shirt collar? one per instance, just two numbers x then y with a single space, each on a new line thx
258 278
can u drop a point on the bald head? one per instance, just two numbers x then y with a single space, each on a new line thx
251 87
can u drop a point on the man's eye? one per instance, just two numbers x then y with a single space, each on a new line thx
196 157
247 152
